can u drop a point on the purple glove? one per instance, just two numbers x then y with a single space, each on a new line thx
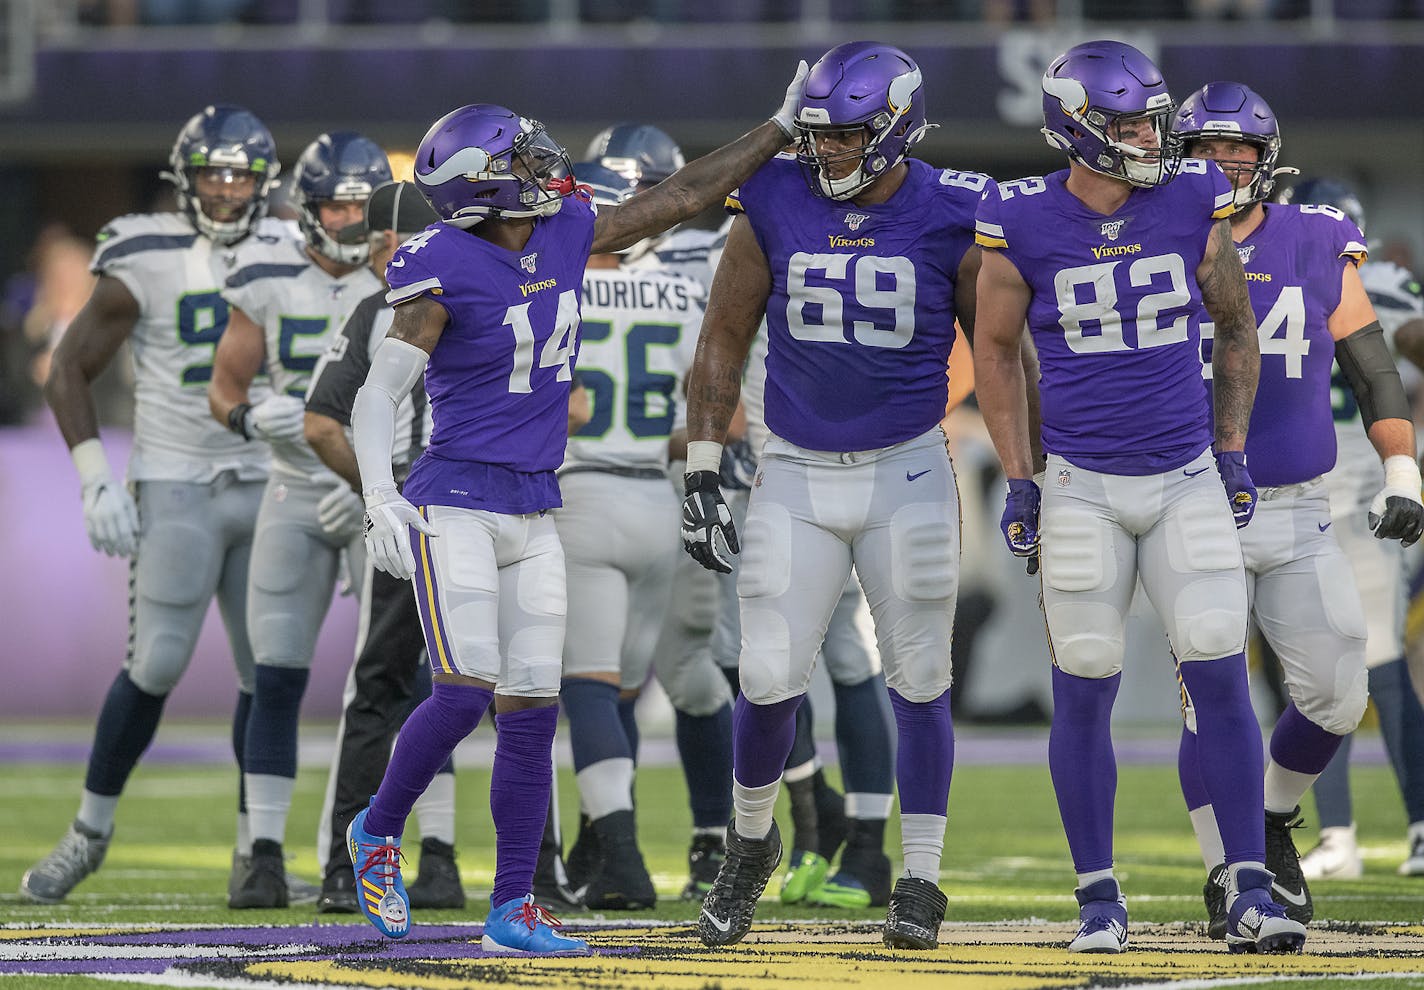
1240 490
1019 522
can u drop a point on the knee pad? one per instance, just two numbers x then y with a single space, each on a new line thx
765 667
1087 638
696 686
924 554
158 662
1209 619
1339 709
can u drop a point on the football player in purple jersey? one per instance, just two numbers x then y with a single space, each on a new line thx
859 258
1111 262
487 308
1312 311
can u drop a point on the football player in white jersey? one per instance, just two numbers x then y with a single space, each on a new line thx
187 520
309 514
1379 570
618 526
682 659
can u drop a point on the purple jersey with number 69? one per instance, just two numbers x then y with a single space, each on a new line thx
860 320
499 378
1294 264
1115 313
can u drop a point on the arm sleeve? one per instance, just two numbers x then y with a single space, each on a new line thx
395 369
1369 367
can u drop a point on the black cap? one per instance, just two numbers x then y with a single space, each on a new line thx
397 206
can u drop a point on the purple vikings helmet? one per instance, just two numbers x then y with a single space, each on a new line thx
1092 86
483 161
342 166
228 138
1231 110
861 84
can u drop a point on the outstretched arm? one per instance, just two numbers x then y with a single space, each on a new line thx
698 184
1235 350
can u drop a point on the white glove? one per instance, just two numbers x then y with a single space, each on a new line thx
277 418
110 516
340 511
388 515
785 118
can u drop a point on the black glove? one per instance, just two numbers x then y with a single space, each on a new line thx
707 530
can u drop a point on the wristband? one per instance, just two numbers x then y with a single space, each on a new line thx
1400 471
704 455
91 461
237 419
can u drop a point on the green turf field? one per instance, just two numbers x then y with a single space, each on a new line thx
1005 857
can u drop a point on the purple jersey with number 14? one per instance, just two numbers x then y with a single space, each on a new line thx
499 378
860 320
1115 313
1294 264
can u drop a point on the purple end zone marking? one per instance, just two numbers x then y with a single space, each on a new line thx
328 943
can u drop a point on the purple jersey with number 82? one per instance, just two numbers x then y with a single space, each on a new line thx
499 378
1115 313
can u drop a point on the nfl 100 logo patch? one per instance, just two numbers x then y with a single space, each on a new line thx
1244 251
1064 478
529 262
854 220
1112 228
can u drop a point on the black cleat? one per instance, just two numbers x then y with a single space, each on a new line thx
1288 889
622 882
728 908
338 889
265 883
704 859
437 887
584 858
1214 895
916 911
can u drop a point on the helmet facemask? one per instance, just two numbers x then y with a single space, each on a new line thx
1095 137
327 242
231 166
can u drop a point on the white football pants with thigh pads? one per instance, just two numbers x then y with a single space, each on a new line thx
1379 567
620 539
194 542
1101 532
849 655
894 513
1304 600
294 570
490 589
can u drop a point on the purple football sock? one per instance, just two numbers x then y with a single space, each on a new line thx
429 736
1189 772
761 739
1229 754
519 796
1299 744
924 759
1084 767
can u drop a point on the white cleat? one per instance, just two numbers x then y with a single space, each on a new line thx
1337 857
1414 865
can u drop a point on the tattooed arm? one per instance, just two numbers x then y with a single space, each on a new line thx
734 312
698 184
1236 350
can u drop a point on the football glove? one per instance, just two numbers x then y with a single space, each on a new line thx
276 418
785 118
340 511
1396 512
707 530
1240 490
110 515
388 518
1019 522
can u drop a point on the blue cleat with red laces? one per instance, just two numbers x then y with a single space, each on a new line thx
519 927
379 888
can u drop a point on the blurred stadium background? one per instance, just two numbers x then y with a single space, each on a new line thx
92 93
